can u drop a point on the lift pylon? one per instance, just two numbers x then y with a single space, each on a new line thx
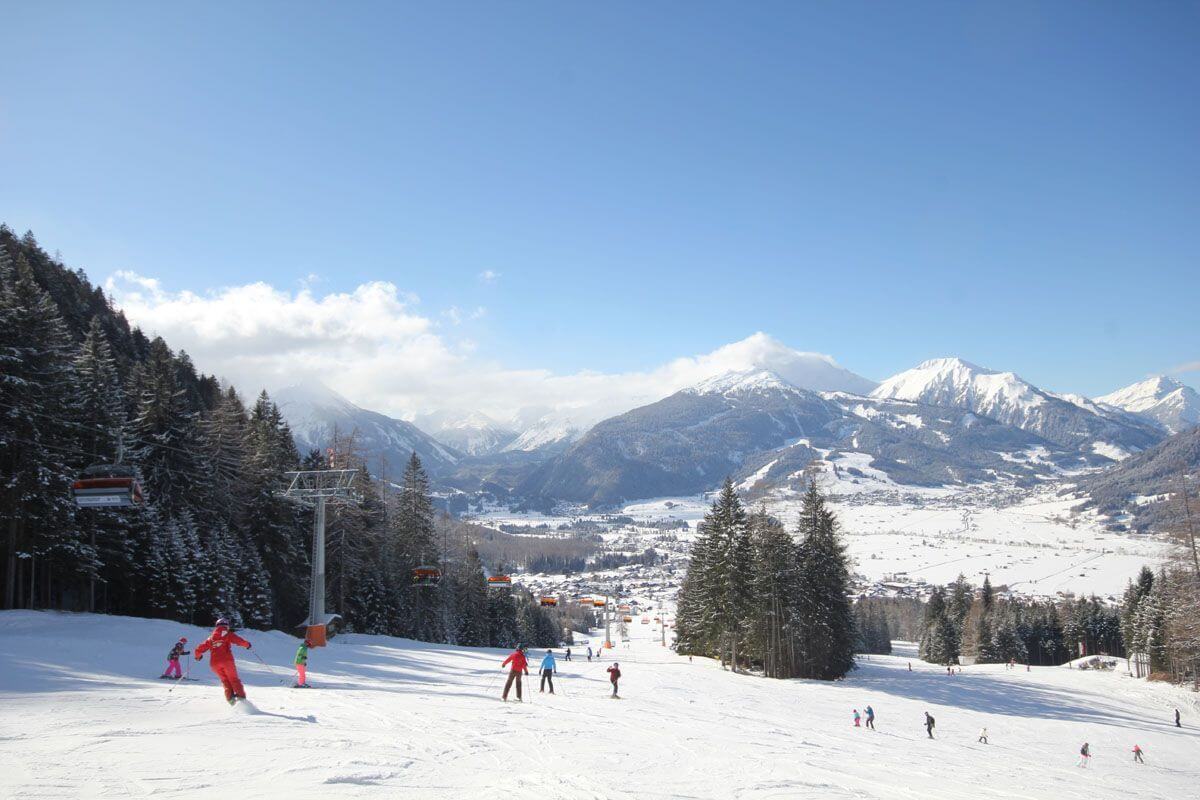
316 488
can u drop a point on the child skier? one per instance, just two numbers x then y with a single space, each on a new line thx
173 670
220 642
519 664
856 718
1085 753
548 670
614 675
1137 754
302 664
870 718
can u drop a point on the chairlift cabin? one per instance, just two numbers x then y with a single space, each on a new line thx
107 486
599 603
499 582
426 576
627 619
547 600
586 601
624 609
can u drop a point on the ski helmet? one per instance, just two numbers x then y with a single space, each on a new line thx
222 621
183 640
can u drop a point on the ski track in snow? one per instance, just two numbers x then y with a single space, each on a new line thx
82 714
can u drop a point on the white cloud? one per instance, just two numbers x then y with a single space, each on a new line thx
373 346
489 276
1191 366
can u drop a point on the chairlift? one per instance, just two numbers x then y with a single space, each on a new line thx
586 601
548 600
627 619
426 576
499 582
107 486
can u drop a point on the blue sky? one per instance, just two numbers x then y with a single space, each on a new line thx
1017 184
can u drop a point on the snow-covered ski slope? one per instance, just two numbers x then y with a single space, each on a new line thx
82 715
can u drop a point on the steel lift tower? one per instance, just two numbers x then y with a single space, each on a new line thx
316 488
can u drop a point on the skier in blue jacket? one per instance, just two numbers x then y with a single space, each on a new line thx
548 670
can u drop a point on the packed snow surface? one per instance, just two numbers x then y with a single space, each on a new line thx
82 715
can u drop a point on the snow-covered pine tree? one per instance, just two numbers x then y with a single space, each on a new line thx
775 577
166 449
39 448
824 619
471 603
939 641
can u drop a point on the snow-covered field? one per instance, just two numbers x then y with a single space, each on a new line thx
1035 542
82 715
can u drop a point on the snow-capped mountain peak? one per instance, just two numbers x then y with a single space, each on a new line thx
1171 404
742 382
960 384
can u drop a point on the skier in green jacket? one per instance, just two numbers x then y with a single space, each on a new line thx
302 664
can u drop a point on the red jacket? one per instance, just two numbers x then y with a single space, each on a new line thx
519 664
219 643
614 672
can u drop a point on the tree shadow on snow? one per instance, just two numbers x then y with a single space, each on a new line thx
994 694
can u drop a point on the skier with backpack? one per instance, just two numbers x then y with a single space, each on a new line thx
517 664
548 670
1085 753
173 670
302 664
614 675
220 643
929 723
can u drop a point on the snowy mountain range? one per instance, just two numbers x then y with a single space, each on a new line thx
945 422
768 433
315 412
1009 400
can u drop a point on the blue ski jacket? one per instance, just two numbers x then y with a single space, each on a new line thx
548 661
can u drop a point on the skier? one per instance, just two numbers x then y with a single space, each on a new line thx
870 718
856 718
910 666
614 675
983 735
302 664
548 670
519 665
1177 725
173 670
589 654
1137 754
568 656
929 724
1085 753
222 663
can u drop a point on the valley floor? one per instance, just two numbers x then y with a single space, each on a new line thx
82 714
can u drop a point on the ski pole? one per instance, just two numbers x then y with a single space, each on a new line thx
268 666
186 674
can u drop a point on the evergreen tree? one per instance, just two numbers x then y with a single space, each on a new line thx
824 620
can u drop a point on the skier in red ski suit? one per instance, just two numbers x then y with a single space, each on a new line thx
520 665
221 663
